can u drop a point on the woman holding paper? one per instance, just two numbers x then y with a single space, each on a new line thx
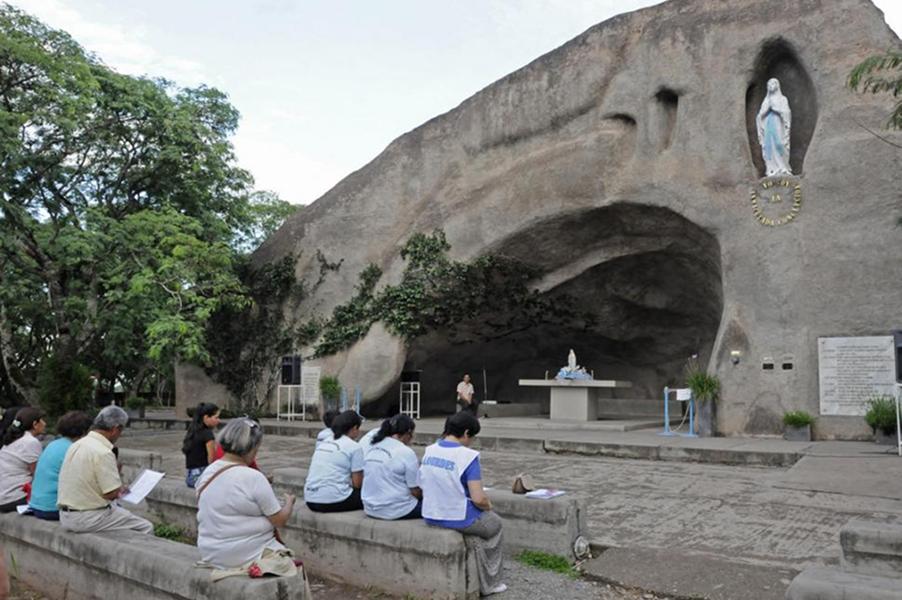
453 497
237 509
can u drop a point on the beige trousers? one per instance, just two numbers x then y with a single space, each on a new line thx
105 519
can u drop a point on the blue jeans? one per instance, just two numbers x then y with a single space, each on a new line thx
47 515
193 475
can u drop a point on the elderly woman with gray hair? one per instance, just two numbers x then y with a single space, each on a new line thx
237 509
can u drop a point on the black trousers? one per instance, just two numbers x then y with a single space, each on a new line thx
352 502
11 506
415 513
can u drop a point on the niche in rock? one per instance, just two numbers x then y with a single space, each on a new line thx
778 59
667 103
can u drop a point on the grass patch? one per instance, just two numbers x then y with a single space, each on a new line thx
172 532
547 562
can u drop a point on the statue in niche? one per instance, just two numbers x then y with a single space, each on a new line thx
572 370
774 121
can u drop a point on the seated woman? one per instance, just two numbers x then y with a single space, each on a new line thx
336 470
237 510
325 434
199 445
72 426
453 497
19 456
390 472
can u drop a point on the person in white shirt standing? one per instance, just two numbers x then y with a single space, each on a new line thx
453 497
336 469
466 395
390 489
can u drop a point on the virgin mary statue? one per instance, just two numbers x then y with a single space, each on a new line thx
774 121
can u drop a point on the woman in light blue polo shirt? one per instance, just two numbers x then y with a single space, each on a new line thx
336 470
390 489
453 497
71 426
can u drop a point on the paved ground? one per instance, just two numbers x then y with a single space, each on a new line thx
669 523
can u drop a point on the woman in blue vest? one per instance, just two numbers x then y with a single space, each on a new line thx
453 497
390 466
336 469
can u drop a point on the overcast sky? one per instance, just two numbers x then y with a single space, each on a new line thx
324 85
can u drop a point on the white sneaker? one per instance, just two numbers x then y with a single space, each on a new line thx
497 589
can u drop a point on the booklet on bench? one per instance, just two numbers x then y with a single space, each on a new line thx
142 485
545 493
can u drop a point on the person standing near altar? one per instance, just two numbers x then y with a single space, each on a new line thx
466 395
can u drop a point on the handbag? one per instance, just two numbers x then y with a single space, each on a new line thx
522 484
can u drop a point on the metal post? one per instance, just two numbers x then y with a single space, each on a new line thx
691 418
899 417
357 399
344 399
667 430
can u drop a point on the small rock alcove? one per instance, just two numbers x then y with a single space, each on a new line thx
778 58
646 281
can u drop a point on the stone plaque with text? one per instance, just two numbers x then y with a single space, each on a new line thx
851 369
310 385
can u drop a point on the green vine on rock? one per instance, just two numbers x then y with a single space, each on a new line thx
437 293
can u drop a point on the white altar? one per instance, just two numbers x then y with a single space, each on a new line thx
576 399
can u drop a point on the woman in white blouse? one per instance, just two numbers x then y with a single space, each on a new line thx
19 455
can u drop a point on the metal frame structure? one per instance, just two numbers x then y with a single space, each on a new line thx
410 399
291 414
669 432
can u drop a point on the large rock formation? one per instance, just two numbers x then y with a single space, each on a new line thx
621 165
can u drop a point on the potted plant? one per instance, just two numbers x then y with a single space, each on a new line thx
330 390
881 416
798 426
135 406
705 389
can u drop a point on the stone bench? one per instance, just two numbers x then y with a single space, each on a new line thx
82 566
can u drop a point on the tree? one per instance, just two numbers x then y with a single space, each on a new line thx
123 213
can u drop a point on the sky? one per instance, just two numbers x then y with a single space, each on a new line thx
323 86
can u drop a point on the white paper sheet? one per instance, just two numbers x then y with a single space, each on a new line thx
684 394
545 493
142 485
22 509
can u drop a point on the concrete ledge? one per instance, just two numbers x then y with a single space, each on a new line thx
136 460
821 583
84 566
165 423
872 548
674 453
406 557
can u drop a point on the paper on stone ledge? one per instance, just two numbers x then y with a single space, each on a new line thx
22 509
545 493
142 485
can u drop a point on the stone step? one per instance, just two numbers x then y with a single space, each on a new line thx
872 548
822 583
516 409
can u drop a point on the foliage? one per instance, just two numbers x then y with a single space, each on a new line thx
797 418
437 293
547 562
881 413
330 388
172 532
136 402
704 387
247 339
64 386
881 74
123 214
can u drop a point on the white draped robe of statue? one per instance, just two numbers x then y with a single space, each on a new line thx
774 121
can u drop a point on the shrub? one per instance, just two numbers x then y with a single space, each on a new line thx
704 387
797 418
330 388
64 386
881 413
